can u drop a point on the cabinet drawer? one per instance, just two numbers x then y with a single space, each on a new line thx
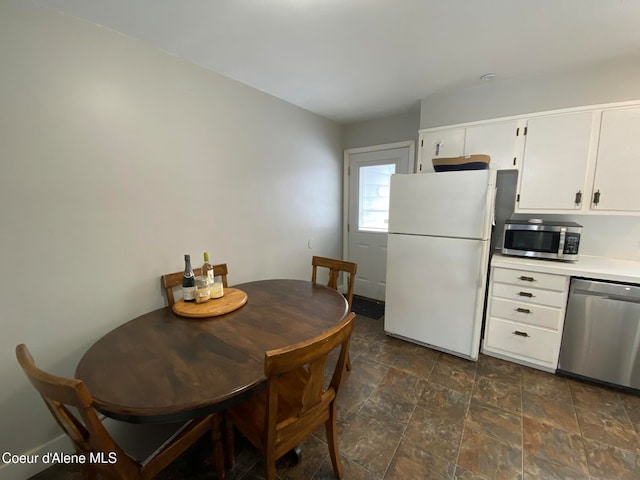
530 279
532 314
516 339
526 294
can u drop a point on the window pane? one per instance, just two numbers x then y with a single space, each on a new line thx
373 204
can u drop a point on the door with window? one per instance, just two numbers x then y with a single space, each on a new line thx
370 173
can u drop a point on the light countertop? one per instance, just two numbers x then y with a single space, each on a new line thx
602 268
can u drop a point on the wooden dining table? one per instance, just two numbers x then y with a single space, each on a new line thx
160 367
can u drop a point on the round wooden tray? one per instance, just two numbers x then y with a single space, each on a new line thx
232 300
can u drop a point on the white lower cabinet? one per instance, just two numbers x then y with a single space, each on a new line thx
530 314
525 317
523 342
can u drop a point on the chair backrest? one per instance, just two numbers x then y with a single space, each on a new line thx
297 373
335 267
172 280
59 393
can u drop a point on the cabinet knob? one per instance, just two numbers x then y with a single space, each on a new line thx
520 334
526 294
578 199
596 197
526 279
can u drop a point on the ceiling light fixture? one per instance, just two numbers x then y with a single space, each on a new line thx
488 76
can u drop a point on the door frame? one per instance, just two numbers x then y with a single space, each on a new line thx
410 144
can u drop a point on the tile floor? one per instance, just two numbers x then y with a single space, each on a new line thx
408 412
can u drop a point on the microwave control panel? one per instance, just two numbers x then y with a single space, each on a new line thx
571 243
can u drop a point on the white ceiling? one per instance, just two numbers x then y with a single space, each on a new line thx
352 60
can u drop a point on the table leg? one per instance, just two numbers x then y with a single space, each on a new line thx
230 454
218 451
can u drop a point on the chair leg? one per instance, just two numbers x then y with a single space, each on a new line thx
230 451
348 362
332 440
218 453
270 466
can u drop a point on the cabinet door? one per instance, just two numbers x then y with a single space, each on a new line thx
555 160
498 140
618 161
440 144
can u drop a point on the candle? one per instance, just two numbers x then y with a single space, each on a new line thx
216 290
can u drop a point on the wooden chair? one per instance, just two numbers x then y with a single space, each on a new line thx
141 452
172 280
295 404
335 267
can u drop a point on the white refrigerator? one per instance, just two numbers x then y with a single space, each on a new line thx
437 258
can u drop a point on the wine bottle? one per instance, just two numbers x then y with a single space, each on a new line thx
207 268
188 281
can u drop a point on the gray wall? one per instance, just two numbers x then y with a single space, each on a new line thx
395 128
115 160
612 81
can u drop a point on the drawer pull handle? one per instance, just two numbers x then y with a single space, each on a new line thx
521 334
527 279
523 310
525 294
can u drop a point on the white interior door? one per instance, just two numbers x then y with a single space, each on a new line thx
367 213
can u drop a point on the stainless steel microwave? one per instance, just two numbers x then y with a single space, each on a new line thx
541 239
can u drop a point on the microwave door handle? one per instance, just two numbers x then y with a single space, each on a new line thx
563 236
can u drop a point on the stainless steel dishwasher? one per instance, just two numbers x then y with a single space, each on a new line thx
601 338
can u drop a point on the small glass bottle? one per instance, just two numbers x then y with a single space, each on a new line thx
188 281
207 268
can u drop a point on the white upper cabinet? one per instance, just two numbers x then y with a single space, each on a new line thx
583 160
498 140
439 144
616 184
554 165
